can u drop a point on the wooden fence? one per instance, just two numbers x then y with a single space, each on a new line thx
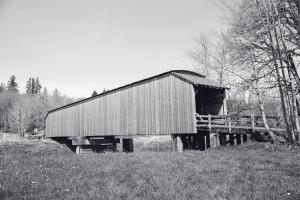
238 122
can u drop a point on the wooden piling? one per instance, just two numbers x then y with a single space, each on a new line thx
209 123
202 141
207 140
183 142
120 146
114 146
222 137
197 141
231 136
179 144
173 143
231 139
189 144
252 122
128 145
216 135
245 137
238 139
78 149
194 142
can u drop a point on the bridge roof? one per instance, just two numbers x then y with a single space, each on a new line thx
188 76
198 79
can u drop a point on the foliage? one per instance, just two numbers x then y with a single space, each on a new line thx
24 112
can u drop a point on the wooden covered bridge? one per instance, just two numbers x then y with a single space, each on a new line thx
179 103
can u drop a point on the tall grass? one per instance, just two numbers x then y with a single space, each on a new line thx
38 170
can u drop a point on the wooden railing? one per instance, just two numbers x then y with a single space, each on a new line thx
246 122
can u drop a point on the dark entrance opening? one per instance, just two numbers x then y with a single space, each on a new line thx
210 101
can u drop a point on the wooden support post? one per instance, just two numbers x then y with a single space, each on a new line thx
252 122
231 139
121 145
231 136
209 123
174 143
216 139
179 144
238 139
189 142
207 140
128 145
202 141
245 137
114 146
131 148
222 137
182 143
197 141
78 149
193 142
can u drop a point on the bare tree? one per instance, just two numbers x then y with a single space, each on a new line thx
259 35
19 116
200 54
211 58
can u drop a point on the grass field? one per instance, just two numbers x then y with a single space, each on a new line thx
46 170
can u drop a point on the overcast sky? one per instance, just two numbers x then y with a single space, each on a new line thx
79 46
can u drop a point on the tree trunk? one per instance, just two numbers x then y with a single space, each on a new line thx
278 76
284 111
288 84
295 111
294 71
263 114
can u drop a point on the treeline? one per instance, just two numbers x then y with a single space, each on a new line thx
25 112
257 52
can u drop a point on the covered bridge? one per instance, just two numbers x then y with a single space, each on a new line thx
164 104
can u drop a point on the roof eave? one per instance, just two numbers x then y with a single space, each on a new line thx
210 86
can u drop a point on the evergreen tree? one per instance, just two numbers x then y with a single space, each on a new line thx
33 86
104 91
94 93
30 86
12 85
38 86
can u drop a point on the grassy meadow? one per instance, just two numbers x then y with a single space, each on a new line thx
47 170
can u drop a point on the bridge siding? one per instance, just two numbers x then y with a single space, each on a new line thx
163 105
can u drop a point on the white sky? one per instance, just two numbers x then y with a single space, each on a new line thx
79 46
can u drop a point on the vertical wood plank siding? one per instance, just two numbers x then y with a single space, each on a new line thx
162 105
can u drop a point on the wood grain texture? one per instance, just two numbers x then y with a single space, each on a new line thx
162 105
